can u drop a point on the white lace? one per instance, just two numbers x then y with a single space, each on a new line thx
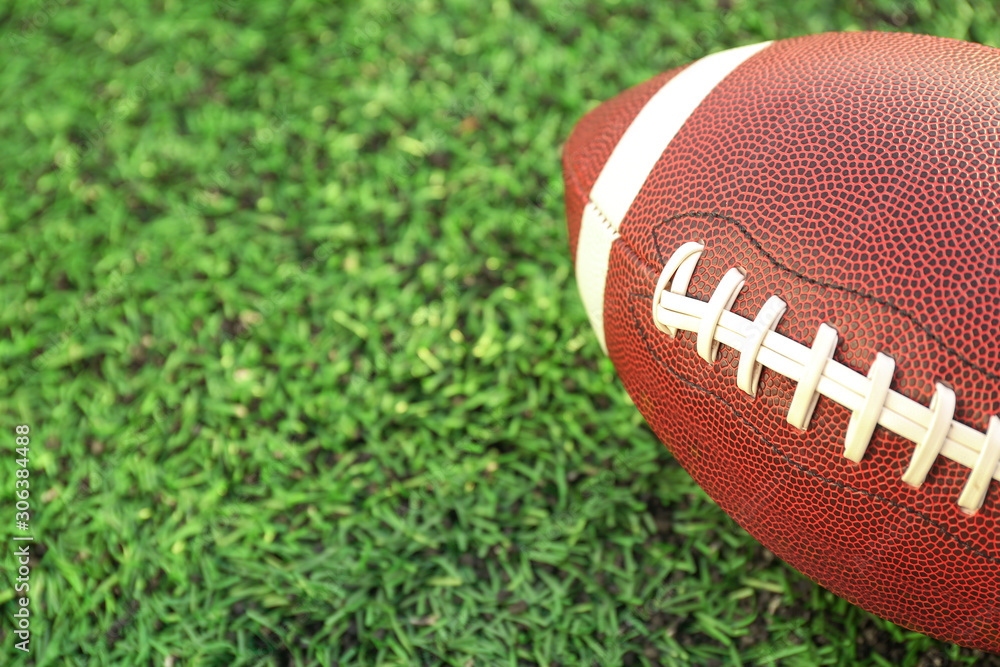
871 402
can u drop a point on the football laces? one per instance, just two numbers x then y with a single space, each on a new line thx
869 398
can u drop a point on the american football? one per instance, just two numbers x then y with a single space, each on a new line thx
791 253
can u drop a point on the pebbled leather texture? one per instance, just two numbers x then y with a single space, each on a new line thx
856 176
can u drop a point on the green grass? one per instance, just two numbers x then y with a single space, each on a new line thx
293 322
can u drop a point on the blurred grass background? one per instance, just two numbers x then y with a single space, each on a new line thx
289 310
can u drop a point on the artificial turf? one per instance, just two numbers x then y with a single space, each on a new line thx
289 310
